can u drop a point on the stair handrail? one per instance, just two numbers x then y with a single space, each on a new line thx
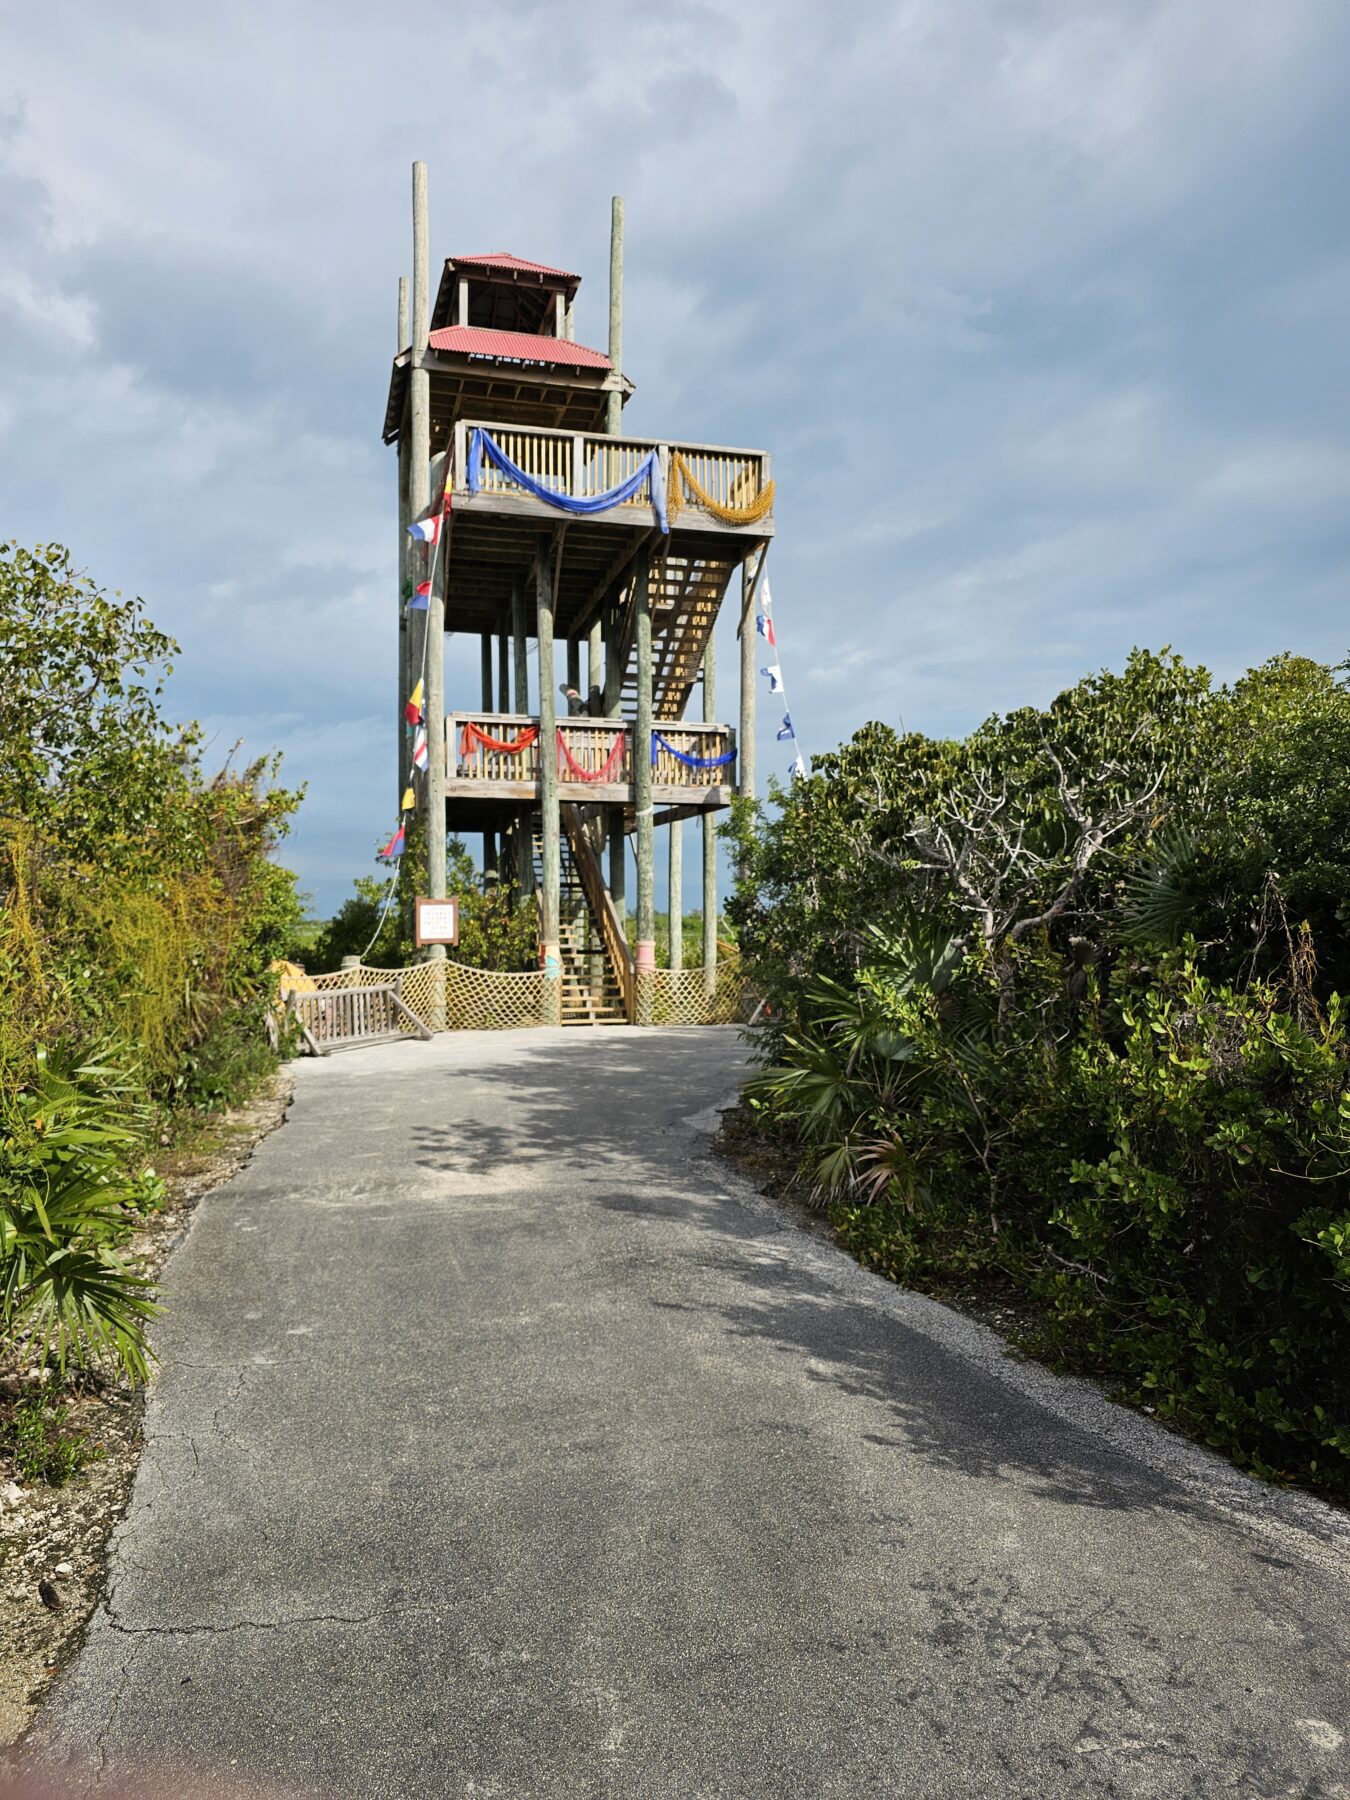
601 903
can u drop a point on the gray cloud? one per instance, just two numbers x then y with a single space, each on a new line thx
1039 309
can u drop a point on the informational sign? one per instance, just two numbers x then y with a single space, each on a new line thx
435 921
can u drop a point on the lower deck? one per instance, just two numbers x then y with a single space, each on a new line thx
497 757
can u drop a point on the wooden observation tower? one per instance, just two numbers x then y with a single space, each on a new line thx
549 525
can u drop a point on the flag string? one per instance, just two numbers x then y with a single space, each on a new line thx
766 628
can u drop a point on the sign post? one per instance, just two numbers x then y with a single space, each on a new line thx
435 921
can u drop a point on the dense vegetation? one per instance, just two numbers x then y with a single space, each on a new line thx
376 924
1058 1009
139 911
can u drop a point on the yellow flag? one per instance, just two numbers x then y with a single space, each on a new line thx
406 804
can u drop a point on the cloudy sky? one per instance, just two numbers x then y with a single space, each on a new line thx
1040 305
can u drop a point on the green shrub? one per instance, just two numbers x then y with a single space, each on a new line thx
66 1215
1003 1055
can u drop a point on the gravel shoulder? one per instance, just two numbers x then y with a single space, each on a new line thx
54 1540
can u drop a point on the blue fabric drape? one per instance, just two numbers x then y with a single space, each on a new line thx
690 762
647 473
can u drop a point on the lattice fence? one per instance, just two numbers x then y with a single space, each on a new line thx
483 1000
450 996
688 997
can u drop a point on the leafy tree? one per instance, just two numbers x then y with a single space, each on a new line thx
1047 1012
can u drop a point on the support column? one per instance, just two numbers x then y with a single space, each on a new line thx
489 837
524 848
675 889
745 772
548 783
595 669
614 400
520 655
503 672
642 787
618 849
574 664
709 837
433 786
405 659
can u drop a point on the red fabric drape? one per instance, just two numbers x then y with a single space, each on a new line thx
604 773
471 735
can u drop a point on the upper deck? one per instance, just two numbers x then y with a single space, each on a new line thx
708 488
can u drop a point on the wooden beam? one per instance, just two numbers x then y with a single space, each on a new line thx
675 893
405 680
745 784
544 579
614 401
645 958
709 835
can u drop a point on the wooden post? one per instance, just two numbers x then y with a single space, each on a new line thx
618 848
560 315
405 563
675 888
519 653
503 672
524 848
433 711
645 948
745 774
709 838
462 299
595 669
574 664
548 783
489 837
614 400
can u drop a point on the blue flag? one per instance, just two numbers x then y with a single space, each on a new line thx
785 729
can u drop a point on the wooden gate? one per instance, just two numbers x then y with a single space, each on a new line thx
353 1015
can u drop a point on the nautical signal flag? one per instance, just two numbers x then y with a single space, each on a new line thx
421 755
412 712
785 729
406 803
394 847
421 597
764 626
426 531
775 675
798 769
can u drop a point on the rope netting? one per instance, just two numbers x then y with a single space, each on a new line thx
694 996
450 996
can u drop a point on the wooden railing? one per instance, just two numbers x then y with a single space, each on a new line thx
601 904
352 1015
584 464
590 743
706 742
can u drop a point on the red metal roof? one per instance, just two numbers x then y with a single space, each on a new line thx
515 346
503 259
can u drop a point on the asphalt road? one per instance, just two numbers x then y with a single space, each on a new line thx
506 1444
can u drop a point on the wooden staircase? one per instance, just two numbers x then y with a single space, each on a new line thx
592 989
686 593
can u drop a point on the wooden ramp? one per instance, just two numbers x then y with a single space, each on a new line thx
342 1017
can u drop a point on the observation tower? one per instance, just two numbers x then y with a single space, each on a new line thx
592 567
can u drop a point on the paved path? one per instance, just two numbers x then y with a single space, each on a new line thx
507 1445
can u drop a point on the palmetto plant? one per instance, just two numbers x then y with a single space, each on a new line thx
848 1061
68 1140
